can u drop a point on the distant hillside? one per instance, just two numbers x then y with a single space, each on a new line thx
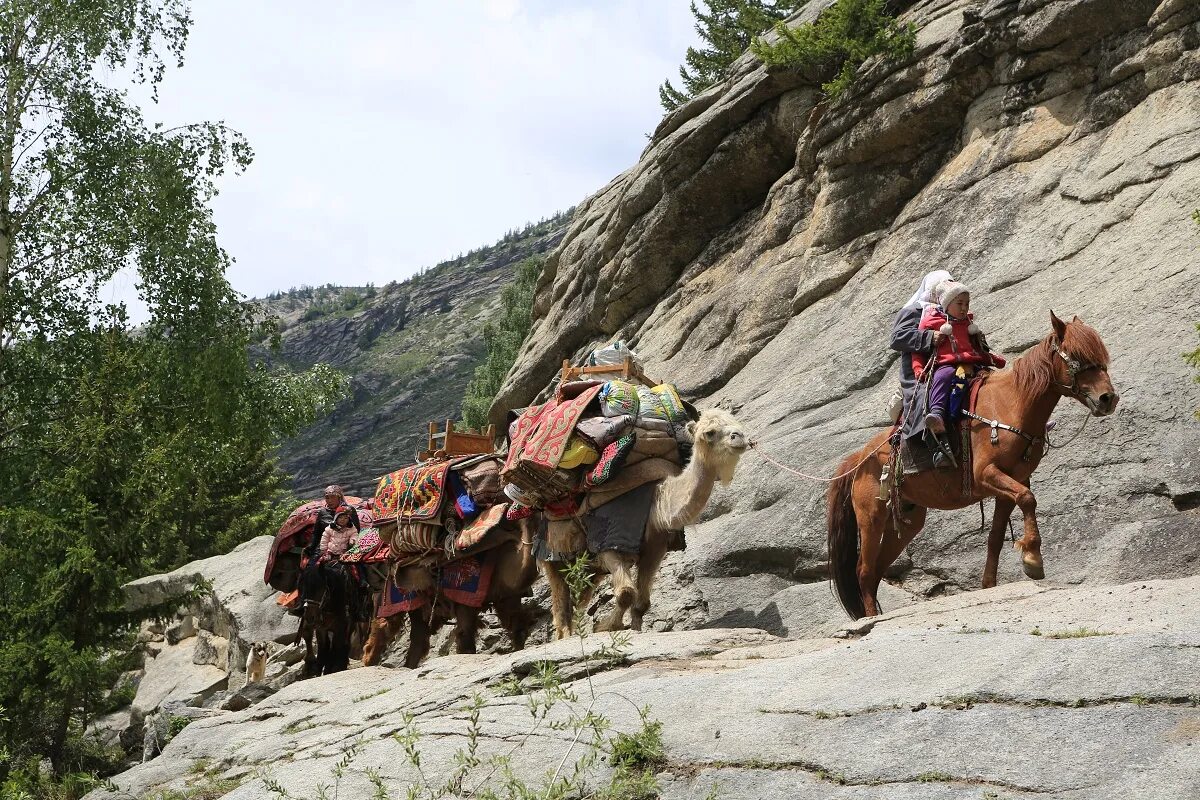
411 347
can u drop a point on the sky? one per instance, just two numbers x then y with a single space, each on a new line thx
390 135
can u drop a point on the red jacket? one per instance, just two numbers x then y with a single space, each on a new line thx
960 347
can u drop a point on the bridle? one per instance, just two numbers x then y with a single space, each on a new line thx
1074 368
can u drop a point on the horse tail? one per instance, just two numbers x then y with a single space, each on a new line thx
842 539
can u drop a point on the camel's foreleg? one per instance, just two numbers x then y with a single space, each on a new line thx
466 624
1000 516
383 632
561 607
620 567
1005 486
654 550
418 638
514 619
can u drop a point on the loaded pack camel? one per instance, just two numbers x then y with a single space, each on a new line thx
678 501
1008 440
513 576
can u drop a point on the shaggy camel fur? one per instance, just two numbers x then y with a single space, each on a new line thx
512 578
719 442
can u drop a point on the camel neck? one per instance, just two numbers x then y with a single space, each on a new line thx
696 485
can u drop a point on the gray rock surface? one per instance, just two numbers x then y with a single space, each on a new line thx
1047 689
174 676
240 608
1048 154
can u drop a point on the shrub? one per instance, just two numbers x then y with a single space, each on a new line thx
843 37
503 339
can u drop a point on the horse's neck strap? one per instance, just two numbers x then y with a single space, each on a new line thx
996 426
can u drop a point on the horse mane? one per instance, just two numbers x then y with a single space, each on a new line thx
1034 370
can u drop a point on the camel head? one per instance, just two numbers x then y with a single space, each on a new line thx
720 442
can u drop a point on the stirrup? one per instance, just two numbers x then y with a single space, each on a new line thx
947 460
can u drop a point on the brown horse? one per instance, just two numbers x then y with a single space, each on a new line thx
513 576
1071 361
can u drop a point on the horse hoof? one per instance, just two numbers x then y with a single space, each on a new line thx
1033 567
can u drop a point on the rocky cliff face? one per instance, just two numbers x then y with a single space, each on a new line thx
1047 153
410 351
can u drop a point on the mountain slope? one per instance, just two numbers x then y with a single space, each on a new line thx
410 349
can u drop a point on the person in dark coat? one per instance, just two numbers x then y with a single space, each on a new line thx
335 498
907 338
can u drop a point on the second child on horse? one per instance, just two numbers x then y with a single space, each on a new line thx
960 347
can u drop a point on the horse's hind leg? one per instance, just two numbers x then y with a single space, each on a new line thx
1007 487
872 517
654 550
893 543
1000 517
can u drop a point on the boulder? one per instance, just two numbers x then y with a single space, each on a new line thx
182 628
173 675
211 649
240 608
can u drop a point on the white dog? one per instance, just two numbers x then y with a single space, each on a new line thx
256 663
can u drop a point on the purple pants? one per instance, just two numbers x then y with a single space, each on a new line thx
940 387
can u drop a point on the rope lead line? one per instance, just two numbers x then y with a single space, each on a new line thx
754 446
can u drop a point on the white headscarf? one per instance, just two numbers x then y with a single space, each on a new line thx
925 294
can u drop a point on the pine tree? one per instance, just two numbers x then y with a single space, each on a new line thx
728 28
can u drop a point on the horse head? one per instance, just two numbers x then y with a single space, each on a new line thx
1081 369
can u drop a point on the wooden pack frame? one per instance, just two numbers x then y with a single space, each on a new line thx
448 443
630 370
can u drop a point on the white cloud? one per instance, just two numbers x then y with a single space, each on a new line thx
404 133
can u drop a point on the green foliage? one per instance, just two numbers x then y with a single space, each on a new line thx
122 452
843 37
727 28
503 339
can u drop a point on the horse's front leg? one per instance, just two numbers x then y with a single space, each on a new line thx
1000 516
1004 486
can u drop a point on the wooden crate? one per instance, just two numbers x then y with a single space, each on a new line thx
628 371
446 442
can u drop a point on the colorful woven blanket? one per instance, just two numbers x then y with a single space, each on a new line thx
611 461
412 493
368 548
544 444
396 600
481 526
467 580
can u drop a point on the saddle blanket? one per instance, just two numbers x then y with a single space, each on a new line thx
413 493
465 581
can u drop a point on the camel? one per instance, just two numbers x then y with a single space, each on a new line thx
512 578
720 442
